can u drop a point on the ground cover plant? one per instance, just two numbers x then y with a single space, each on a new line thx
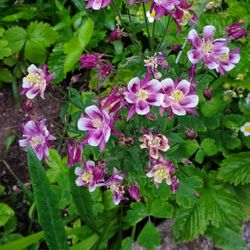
154 121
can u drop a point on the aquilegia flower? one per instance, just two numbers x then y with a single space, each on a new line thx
162 171
98 123
36 81
154 142
179 97
208 49
245 129
116 34
89 61
91 175
37 135
234 31
115 186
134 191
142 94
74 153
98 4
152 63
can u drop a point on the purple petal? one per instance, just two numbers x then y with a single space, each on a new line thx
178 110
152 86
131 112
194 38
23 143
31 93
208 32
190 101
94 112
95 137
184 86
85 124
194 56
78 171
134 85
79 182
167 85
142 108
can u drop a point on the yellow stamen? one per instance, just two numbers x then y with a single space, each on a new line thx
223 58
177 95
207 47
97 123
142 95
247 128
36 140
86 176
35 79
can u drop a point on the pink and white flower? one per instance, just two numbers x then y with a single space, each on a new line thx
134 191
179 97
37 136
98 123
36 81
207 48
98 4
91 175
74 153
142 94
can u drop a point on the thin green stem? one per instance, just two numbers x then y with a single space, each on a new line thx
166 30
153 35
147 28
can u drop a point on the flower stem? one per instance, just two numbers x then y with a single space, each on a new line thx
181 51
166 30
147 28
153 35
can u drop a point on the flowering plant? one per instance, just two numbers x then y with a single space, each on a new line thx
160 131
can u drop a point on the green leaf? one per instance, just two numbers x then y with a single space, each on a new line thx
1 189
127 243
188 188
4 49
161 209
149 236
47 205
199 156
233 121
209 146
86 243
5 213
9 141
16 37
137 212
74 48
5 75
35 51
235 169
24 242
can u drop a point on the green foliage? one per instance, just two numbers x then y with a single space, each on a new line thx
47 205
235 169
5 213
161 209
149 236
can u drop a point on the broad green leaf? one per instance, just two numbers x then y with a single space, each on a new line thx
86 244
82 200
149 237
161 209
233 121
4 49
127 243
24 242
5 75
187 191
16 37
5 213
209 146
47 205
199 156
235 169
34 51
74 48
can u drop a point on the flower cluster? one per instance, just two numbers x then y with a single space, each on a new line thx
215 53
94 174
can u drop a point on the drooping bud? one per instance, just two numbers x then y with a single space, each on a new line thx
190 133
207 93
134 191
27 105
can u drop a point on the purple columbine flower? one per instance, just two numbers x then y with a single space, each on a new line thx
91 175
142 94
162 171
134 191
36 81
98 123
179 97
98 4
104 70
114 184
117 34
90 61
74 153
206 49
234 31
152 63
37 135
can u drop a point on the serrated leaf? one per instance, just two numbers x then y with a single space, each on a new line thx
187 190
233 121
5 75
16 37
235 169
5 213
47 205
4 49
199 156
34 51
209 146
161 209
149 236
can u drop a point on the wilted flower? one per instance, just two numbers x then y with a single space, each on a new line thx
98 124
245 129
142 94
134 191
104 70
154 142
125 141
91 175
162 171
117 34
98 4
37 136
27 105
207 49
152 63
114 184
234 31
74 153
179 97
36 81
89 61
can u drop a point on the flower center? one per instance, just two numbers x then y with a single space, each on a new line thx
247 128
97 123
162 173
155 142
151 62
86 176
142 95
207 47
152 13
223 58
35 79
177 95
36 140
186 17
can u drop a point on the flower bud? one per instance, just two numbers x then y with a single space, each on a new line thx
207 93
